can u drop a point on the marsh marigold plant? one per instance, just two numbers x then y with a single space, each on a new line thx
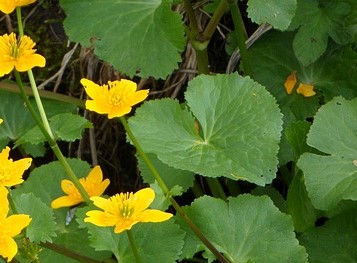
11 171
10 226
8 6
93 184
18 54
115 99
125 210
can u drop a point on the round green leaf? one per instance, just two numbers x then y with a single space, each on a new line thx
233 130
136 37
246 229
332 177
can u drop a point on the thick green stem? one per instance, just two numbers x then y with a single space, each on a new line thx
216 188
165 189
213 23
240 31
19 21
39 103
68 253
52 142
191 16
133 246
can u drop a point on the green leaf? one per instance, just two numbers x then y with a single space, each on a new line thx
66 126
242 229
335 241
42 227
300 208
278 13
296 134
162 200
234 132
332 177
128 34
156 242
317 20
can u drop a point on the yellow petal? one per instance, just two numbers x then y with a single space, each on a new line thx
8 248
4 207
68 187
143 198
1 121
290 82
100 218
306 90
124 225
93 90
100 106
151 215
6 67
100 188
101 202
118 112
4 155
25 63
16 223
65 201
95 175
138 97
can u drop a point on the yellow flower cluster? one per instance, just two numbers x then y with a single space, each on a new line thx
10 226
307 90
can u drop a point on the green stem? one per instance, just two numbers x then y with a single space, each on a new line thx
39 103
19 21
165 189
191 16
202 61
133 246
68 253
11 203
52 142
216 188
240 31
213 23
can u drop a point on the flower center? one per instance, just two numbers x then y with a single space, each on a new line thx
116 100
4 174
126 207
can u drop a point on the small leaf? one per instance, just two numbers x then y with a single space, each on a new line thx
335 241
234 132
242 228
332 177
42 227
296 134
66 126
278 13
300 208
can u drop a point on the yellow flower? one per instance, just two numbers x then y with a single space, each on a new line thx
18 54
290 82
306 90
8 6
125 210
117 100
1 121
93 184
10 227
11 171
